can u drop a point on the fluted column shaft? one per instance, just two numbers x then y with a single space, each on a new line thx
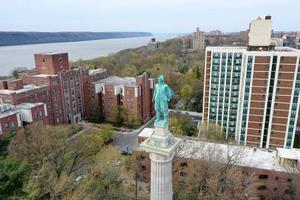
161 177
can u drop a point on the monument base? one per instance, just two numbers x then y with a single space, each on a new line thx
161 146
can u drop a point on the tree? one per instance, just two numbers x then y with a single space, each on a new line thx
12 173
213 174
186 93
211 131
51 155
182 125
132 120
196 71
88 145
117 115
103 182
135 166
4 142
15 72
12 177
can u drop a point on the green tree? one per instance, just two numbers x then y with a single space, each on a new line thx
52 158
117 115
132 120
4 142
12 171
103 182
186 93
12 177
211 131
182 125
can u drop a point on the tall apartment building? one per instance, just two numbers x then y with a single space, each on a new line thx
132 94
198 40
253 91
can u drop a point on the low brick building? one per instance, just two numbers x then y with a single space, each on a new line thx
270 174
132 95
13 118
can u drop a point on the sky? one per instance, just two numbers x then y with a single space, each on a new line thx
156 16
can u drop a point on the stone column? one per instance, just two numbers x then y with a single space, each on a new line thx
161 146
161 177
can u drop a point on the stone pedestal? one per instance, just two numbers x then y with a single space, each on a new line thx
161 146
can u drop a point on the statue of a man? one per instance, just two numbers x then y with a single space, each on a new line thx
161 97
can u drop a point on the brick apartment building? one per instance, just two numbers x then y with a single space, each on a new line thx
65 90
132 94
13 118
253 91
72 94
270 174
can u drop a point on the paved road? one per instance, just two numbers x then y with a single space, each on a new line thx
122 140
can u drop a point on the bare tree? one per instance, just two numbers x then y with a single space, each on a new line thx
212 171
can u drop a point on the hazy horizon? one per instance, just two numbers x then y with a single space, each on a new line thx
156 16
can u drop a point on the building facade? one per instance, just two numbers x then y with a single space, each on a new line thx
198 40
13 118
253 93
133 95
68 90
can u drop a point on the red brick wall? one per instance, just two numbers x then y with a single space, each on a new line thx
146 96
287 70
39 115
206 86
3 84
92 100
258 98
51 63
110 101
9 123
14 84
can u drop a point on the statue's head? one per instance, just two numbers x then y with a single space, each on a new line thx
160 79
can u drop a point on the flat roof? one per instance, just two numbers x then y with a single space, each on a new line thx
44 75
51 53
24 89
116 80
96 71
245 156
8 113
28 105
292 154
244 48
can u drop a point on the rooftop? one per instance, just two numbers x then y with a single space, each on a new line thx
43 75
244 48
24 89
8 113
96 71
244 155
28 105
116 80
51 53
291 154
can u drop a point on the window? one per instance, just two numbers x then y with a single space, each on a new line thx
263 176
262 187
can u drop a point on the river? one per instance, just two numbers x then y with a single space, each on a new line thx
22 55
